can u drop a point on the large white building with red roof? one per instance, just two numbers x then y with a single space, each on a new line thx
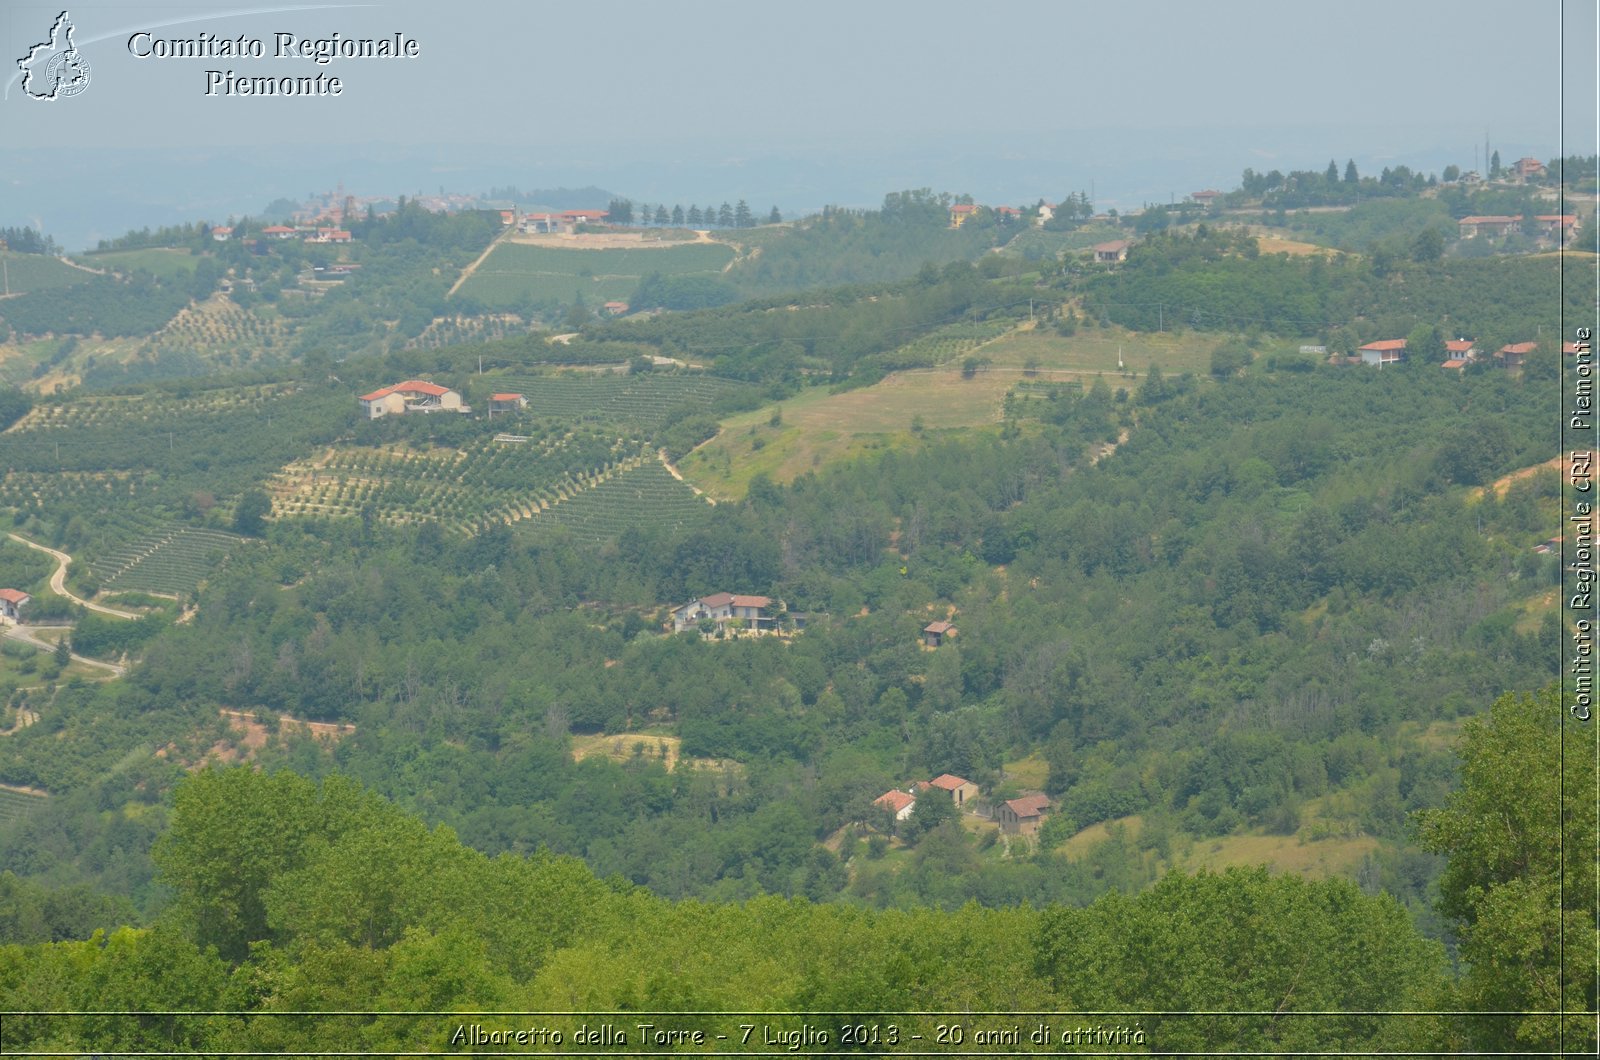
723 608
414 395
1382 352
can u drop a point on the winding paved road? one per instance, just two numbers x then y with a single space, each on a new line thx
58 580
21 633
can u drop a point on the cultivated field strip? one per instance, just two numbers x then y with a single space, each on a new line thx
14 805
465 489
459 330
218 325
946 344
645 494
515 273
642 402
173 560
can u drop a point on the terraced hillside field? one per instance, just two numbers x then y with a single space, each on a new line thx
219 326
645 494
123 466
515 275
491 480
457 330
945 344
168 560
15 804
642 402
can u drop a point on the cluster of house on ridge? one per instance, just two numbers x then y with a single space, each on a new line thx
304 233
421 396
1462 352
1020 816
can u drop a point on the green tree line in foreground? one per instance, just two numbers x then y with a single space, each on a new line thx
293 896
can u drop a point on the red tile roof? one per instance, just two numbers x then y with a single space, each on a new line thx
1385 344
1493 219
1518 347
14 596
1029 805
751 601
1566 219
1454 362
1111 247
505 397
893 801
1458 345
963 207
948 781
717 599
938 627
376 394
417 386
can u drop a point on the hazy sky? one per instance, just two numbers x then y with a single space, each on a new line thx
766 74
620 92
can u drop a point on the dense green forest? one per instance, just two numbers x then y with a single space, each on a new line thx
289 895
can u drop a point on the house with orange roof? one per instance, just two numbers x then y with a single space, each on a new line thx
959 789
414 395
1022 816
961 211
1558 226
723 608
1112 252
507 402
1492 226
899 804
1382 352
12 601
1513 354
1527 169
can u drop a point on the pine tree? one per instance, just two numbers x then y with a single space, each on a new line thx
774 218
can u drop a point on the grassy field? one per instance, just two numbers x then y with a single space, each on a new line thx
515 274
820 428
164 262
1316 858
35 272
